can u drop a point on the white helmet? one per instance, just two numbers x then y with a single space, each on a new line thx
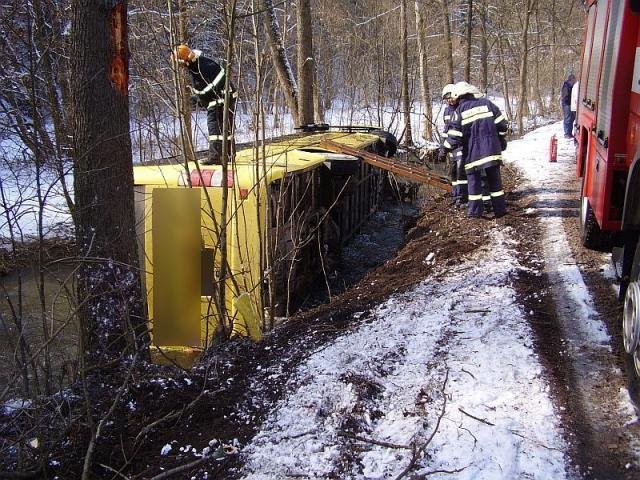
447 90
464 88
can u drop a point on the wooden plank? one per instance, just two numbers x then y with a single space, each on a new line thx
412 172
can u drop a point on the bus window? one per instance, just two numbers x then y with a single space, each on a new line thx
635 6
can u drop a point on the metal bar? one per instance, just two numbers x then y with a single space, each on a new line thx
414 173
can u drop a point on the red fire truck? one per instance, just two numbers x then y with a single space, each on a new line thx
608 153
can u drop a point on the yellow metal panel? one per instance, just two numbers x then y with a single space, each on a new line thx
171 354
209 320
245 307
176 266
283 156
164 175
148 248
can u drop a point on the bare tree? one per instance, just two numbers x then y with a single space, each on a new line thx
524 55
111 312
447 41
404 74
280 58
421 31
467 65
306 62
484 47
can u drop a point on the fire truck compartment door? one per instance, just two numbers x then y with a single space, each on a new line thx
176 266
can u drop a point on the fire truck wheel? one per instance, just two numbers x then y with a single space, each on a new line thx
592 236
631 337
631 330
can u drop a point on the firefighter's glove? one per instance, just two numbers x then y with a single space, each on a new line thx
503 143
442 155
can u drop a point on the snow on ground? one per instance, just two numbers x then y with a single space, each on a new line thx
583 329
498 420
531 155
19 198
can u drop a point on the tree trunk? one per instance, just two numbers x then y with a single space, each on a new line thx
484 48
109 289
404 74
541 110
524 53
505 82
306 62
467 67
227 162
447 40
318 106
280 59
183 35
427 129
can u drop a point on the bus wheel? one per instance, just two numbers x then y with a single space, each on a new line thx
592 236
631 337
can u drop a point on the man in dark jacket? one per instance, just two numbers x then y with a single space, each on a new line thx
456 167
480 129
565 100
208 79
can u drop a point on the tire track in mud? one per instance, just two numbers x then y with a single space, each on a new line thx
583 377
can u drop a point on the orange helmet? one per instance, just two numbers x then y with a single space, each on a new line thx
184 54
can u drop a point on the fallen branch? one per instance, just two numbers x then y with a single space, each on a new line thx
417 452
98 430
114 471
182 468
20 475
476 418
175 414
374 442
300 435
468 373
534 441
426 474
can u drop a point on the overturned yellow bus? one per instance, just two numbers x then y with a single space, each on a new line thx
288 204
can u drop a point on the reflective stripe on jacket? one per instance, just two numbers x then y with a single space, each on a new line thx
208 82
476 126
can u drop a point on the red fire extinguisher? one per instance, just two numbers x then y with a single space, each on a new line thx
553 149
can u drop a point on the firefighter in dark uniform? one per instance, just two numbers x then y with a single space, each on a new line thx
456 167
480 129
208 78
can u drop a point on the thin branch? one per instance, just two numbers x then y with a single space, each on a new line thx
182 468
374 442
417 452
476 418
